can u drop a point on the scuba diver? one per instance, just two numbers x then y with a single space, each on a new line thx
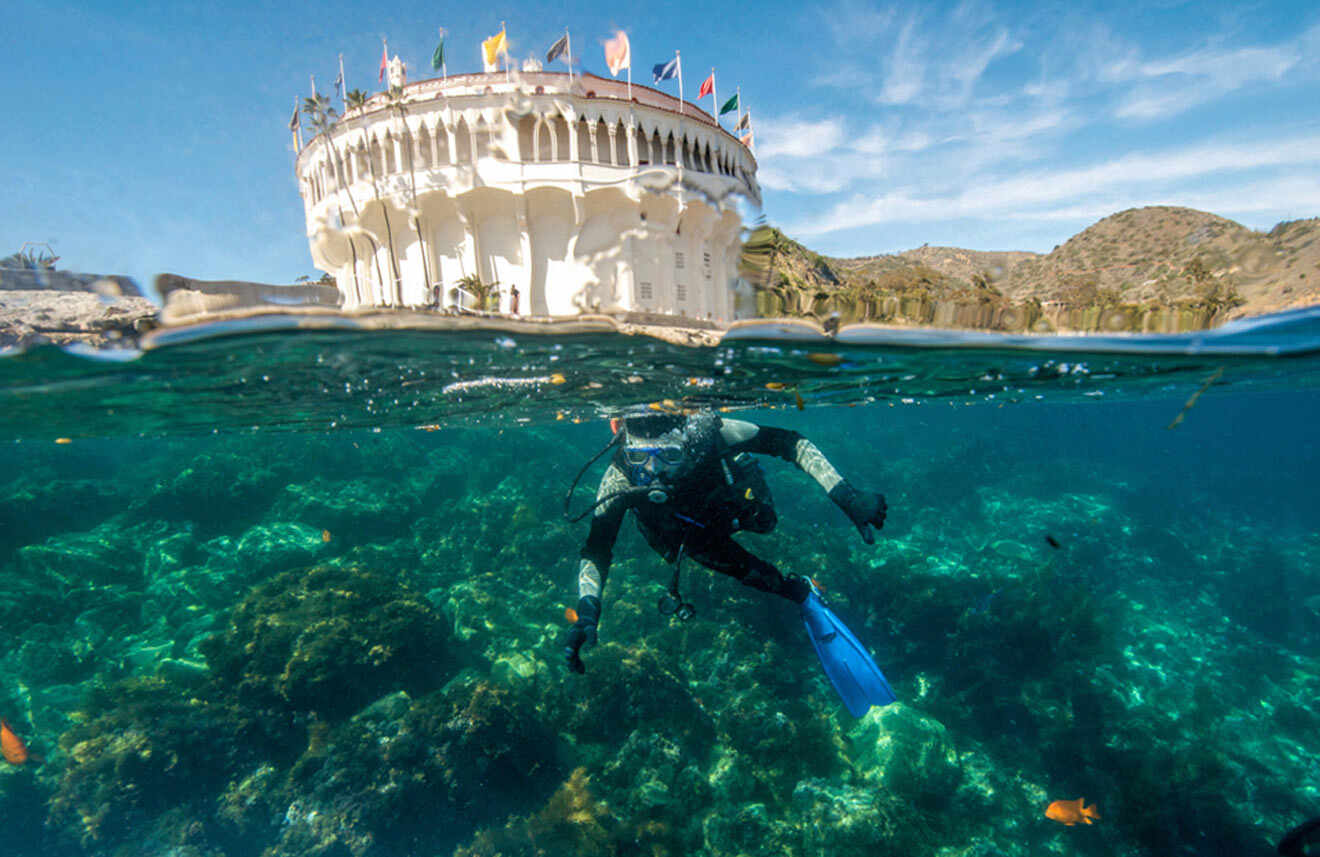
691 482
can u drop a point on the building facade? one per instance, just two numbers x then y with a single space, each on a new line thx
523 192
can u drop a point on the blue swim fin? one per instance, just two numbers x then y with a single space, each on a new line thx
848 665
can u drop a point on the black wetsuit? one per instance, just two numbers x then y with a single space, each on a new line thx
704 510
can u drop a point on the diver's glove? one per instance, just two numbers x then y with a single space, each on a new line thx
865 508
583 632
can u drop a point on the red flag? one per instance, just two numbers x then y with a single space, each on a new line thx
707 86
384 61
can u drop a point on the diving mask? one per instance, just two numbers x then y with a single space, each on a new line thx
649 463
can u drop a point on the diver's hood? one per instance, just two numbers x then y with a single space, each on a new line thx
698 435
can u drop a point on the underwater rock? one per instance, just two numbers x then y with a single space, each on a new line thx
846 821
419 783
37 505
907 753
630 689
330 640
573 821
749 828
218 490
144 763
356 511
107 555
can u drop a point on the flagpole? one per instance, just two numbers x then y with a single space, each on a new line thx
504 43
715 97
630 74
297 141
568 46
679 60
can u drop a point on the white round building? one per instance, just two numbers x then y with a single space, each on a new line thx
525 193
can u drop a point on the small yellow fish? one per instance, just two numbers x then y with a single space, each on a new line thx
824 358
63 440
325 536
558 379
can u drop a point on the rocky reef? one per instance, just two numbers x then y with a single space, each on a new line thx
349 645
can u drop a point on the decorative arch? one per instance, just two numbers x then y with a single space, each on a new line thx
462 142
584 140
390 166
542 141
424 149
604 151
560 124
621 158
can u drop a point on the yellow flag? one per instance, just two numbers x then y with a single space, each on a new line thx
492 48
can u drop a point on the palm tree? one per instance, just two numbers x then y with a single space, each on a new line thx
480 291
321 116
355 99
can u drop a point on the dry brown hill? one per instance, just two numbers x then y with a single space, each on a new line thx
1157 268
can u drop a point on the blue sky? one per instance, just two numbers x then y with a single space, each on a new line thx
152 136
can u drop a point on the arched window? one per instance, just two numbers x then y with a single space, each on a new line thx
670 154
603 153
462 142
657 148
377 160
482 135
441 145
423 154
583 141
542 134
390 166
526 143
621 144
560 125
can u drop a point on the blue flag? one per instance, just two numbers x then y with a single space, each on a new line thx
665 70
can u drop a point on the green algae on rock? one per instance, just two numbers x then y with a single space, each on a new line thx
329 640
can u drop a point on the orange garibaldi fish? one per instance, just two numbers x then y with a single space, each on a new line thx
13 748
1070 812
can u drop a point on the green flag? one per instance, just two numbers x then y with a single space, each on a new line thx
438 58
730 105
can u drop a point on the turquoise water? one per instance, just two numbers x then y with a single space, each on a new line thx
302 593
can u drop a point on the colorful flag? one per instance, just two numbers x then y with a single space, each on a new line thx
747 141
730 105
384 61
618 53
665 70
293 120
557 50
438 58
707 86
492 48
744 123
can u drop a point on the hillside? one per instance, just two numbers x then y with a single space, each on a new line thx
1159 268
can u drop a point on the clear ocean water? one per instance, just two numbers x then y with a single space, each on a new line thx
275 592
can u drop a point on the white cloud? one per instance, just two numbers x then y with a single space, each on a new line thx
797 138
1105 187
906 69
1177 84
